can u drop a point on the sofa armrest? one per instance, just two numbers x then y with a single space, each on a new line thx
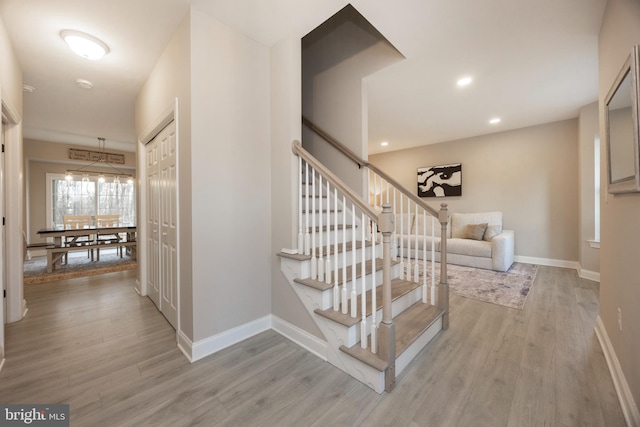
502 250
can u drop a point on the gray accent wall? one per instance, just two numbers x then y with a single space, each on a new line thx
620 233
529 174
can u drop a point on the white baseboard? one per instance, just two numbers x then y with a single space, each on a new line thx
208 346
589 275
585 274
628 404
547 261
2 364
185 345
301 337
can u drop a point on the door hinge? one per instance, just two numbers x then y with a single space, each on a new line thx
3 220
3 148
4 293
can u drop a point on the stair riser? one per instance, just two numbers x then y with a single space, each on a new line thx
351 335
333 234
410 353
321 217
369 282
349 257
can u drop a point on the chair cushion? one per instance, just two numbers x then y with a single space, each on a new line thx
469 247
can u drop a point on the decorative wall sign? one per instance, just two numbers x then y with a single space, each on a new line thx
96 156
440 181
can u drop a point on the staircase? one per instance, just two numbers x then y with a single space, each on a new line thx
371 305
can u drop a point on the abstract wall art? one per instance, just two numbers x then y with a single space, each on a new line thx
440 181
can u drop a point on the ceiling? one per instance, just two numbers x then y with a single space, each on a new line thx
532 62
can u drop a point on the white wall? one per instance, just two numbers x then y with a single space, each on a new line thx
334 64
230 169
620 233
285 127
529 174
171 80
11 96
589 257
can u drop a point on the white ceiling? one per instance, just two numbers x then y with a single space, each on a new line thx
533 61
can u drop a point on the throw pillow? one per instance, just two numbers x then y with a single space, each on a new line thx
474 231
491 232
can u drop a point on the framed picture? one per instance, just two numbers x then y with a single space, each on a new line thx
440 181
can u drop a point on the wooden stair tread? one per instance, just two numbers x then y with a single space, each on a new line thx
365 356
409 325
331 228
398 289
303 257
412 322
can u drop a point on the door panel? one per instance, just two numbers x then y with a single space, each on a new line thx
162 261
153 225
167 167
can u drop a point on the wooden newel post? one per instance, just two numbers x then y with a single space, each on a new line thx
443 288
387 332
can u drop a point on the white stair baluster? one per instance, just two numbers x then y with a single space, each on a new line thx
307 237
345 307
327 268
433 260
371 202
424 257
354 261
374 326
409 240
375 192
300 213
416 263
401 240
336 305
363 305
314 264
320 234
394 236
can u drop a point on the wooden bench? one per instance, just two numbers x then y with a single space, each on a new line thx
56 253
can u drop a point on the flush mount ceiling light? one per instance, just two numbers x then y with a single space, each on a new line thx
495 120
84 44
464 81
384 143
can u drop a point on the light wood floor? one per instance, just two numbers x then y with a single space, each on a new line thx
97 345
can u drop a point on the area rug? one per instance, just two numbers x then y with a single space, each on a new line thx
35 269
509 289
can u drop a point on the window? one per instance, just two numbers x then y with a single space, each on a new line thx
88 196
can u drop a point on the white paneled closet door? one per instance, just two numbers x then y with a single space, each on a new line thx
162 278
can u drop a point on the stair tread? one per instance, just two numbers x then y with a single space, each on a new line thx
321 285
331 228
303 257
409 325
399 288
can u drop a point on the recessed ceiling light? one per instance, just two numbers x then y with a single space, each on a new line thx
384 143
84 84
495 120
84 44
464 81
28 88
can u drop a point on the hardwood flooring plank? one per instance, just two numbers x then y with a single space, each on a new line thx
95 344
